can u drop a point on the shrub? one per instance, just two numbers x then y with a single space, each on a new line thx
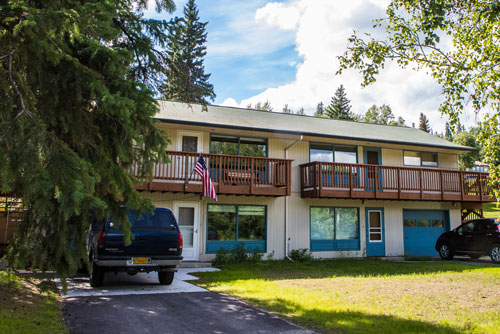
237 255
301 254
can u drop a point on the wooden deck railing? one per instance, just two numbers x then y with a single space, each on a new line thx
339 180
239 175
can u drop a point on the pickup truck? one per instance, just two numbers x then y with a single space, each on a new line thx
156 246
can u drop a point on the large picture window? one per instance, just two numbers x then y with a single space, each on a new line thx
333 153
334 228
423 159
235 145
230 225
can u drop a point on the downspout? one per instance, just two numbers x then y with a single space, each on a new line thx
287 239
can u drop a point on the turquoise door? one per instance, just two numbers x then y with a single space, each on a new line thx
421 230
375 232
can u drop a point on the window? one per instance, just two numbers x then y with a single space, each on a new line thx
425 159
334 228
189 144
230 225
333 153
235 145
466 228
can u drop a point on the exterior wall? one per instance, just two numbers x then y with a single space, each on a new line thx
296 208
448 161
275 238
391 157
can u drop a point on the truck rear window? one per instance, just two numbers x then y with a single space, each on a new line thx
160 220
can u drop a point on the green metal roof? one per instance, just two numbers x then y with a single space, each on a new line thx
256 120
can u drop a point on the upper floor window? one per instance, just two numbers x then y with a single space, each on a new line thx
236 145
425 159
333 153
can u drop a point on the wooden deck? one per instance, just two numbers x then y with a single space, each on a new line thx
359 181
231 175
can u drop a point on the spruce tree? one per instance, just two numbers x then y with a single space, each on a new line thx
423 123
266 106
77 100
186 80
340 107
320 110
287 110
300 111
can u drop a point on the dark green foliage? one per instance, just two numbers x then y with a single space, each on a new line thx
419 35
301 255
320 110
301 111
340 107
266 106
382 115
77 83
287 110
186 80
237 255
423 123
468 138
448 135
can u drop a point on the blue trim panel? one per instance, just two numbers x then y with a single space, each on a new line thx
334 245
250 246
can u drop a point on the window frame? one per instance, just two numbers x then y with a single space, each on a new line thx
420 154
212 246
334 244
238 137
333 146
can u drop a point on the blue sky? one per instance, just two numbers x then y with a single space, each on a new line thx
285 52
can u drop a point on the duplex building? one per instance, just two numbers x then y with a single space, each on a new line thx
336 188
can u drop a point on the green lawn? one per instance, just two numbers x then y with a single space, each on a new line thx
26 310
490 210
368 295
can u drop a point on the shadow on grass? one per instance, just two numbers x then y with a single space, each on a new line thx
281 269
350 321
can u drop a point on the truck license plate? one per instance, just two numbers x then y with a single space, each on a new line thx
140 260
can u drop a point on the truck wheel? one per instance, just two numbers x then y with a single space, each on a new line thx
165 277
495 254
445 251
97 275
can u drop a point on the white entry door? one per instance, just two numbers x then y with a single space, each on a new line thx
188 217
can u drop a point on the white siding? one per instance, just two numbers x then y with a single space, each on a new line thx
392 157
448 161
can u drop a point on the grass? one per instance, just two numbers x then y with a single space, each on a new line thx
490 210
368 295
27 307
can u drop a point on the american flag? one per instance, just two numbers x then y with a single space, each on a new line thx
202 170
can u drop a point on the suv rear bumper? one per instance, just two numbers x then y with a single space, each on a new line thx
128 261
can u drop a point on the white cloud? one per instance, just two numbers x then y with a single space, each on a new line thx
230 102
321 29
277 14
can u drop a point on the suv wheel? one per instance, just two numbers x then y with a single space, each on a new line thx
165 277
97 274
445 251
495 253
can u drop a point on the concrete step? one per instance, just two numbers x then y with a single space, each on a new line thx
195 264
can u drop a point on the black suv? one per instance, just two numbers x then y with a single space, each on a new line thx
474 238
156 246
